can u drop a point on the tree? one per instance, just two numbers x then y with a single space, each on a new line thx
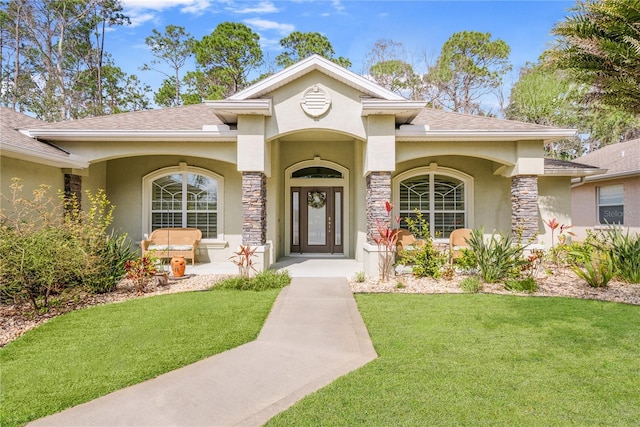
549 96
172 48
225 58
298 46
51 50
470 66
600 46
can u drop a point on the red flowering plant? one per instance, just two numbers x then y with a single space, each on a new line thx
244 260
386 240
141 270
559 252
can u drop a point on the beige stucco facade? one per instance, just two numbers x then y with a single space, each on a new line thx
311 115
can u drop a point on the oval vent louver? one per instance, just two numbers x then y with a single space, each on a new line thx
315 101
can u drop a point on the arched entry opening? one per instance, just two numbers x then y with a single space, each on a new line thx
316 208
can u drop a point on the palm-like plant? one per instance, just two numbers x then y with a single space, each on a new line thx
600 44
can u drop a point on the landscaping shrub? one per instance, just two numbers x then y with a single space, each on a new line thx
470 285
49 244
625 253
425 259
108 266
499 258
265 280
38 265
593 265
521 285
467 261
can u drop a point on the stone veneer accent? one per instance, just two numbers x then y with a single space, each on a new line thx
73 187
524 206
254 208
378 192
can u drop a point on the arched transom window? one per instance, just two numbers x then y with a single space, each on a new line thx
440 197
184 197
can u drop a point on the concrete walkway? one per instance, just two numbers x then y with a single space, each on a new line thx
313 335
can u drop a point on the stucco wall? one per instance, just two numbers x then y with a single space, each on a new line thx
32 175
492 193
554 201
344 113
124 188
584 209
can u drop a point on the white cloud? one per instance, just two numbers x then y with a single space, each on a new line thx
262 7
263 24
187 6
138 18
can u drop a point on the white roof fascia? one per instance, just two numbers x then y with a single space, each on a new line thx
614 175
133 135
49 159
311 63
420 133
386 106
228 110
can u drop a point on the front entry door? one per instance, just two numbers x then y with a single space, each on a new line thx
316 220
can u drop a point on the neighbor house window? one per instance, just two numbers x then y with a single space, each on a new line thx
184 197
441 198
611 204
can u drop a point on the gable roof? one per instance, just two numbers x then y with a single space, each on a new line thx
15 144
620 160
315 63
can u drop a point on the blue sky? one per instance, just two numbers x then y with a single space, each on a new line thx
352 26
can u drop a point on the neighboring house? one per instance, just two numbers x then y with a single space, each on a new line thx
612 197
301 162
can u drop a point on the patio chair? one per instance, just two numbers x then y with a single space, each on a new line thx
458 241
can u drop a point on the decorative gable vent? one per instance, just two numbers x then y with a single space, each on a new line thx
315 101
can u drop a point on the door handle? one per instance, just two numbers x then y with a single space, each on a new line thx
329 221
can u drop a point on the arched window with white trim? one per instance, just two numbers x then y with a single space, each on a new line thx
183 196
442 195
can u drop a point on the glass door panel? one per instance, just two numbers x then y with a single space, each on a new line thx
317 218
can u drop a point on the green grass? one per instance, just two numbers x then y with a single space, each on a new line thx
88 353
486 360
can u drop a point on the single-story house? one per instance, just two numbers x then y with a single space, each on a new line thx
301 163
612 197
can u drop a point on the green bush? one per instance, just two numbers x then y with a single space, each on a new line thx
425 260
467 261
470 285
108 264
38 265
499 258
360 277
48 245
521 285
265 280
625 253
593 266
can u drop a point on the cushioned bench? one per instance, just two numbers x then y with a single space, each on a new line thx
170 242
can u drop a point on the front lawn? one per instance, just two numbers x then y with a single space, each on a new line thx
486 360
88 353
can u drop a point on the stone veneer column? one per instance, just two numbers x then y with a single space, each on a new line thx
524 206
254 208
378 192
73 187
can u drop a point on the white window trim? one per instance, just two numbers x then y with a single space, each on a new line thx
431 170
148 179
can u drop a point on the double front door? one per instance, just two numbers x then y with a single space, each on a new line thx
316 220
